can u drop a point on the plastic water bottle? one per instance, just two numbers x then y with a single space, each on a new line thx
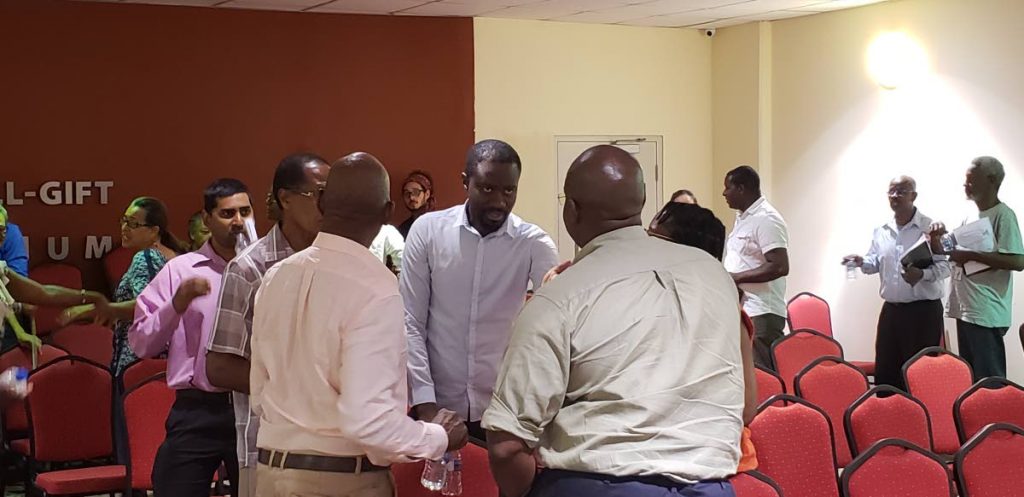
15 380
434 473
453 475
851 270
948 242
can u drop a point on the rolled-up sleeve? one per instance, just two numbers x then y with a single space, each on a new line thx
534 375
234 311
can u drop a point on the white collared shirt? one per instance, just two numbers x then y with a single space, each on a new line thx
388 243
758 230
462 292
888 245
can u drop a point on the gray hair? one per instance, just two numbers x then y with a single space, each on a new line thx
991 167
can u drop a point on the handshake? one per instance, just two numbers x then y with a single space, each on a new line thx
454 426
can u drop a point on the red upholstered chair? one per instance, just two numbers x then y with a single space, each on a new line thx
141 370
937 377
809 311
796 350
115 264
754 484
69 419
794 447
15 418
989 464
146 406
64 275
897 468
991 400
833 384
91 341
873 418
477 480
769 385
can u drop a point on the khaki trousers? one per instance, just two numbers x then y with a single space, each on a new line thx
277 482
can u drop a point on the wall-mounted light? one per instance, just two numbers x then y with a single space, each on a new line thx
895 59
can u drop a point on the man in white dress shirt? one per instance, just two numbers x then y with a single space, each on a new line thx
911 317
757 256
465 273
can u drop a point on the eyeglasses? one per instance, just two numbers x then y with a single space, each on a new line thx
315 194
415 192
561 199
900 193
133 224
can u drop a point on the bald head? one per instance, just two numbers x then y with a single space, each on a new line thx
604 191
905 182
357 200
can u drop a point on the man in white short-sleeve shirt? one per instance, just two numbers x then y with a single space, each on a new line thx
756 254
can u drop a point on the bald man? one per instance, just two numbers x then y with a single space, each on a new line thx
624 374
911 318
328 372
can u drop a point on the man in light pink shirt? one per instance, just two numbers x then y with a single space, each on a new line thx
328 375
175 313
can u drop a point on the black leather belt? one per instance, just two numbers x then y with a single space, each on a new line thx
308 462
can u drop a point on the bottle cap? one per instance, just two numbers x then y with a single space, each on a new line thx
20 374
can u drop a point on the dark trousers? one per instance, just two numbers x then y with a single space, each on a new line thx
767 329
477 434
983 348
903 330
561 483
200 437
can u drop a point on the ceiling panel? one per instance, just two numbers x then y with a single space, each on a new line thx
450 9
367 6
287 5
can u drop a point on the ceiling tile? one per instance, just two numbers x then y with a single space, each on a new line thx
672 20
759 7
836 5
449 9
368 6
289 5
548 9
188 3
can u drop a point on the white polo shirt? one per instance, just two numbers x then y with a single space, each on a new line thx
758 230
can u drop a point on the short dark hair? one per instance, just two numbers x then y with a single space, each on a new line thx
221 188
291 172
693 226
746 177
684 191
491 150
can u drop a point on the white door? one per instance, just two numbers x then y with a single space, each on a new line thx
646 149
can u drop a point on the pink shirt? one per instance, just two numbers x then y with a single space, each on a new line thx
158 327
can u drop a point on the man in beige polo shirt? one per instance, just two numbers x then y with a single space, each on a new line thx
329 356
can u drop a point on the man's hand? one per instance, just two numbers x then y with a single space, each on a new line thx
936 230
555 271
856 259
961 257
912 274
426 411
188 291
458 435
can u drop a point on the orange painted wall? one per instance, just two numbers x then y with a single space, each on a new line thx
162 100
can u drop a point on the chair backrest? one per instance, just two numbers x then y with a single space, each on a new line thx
936 377
833 384
989 464
145 412
794 447
141 370
874 417
91 341
477 480
754 484
69 411
64 275
991 400
895 467
115 264
809 311
769 385
15 416
795 351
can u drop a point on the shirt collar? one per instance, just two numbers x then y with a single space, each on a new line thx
757 203
206 255
341 244
627 233
278 243
462 221
915 220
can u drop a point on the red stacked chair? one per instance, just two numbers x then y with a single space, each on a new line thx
897 468
991 400
64 275
809 311
141 370
769 385
794 447
754 484
833 385
115 264
989 464
937 377
146 406
873 418
795 351
477 480
69 419
91 341
15 418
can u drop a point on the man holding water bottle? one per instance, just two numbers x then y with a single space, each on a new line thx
911 318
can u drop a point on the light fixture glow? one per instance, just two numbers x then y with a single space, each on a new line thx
895 59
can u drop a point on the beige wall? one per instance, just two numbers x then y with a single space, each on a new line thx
838 137
537 79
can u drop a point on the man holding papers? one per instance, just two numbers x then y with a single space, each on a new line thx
980 297
911 284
